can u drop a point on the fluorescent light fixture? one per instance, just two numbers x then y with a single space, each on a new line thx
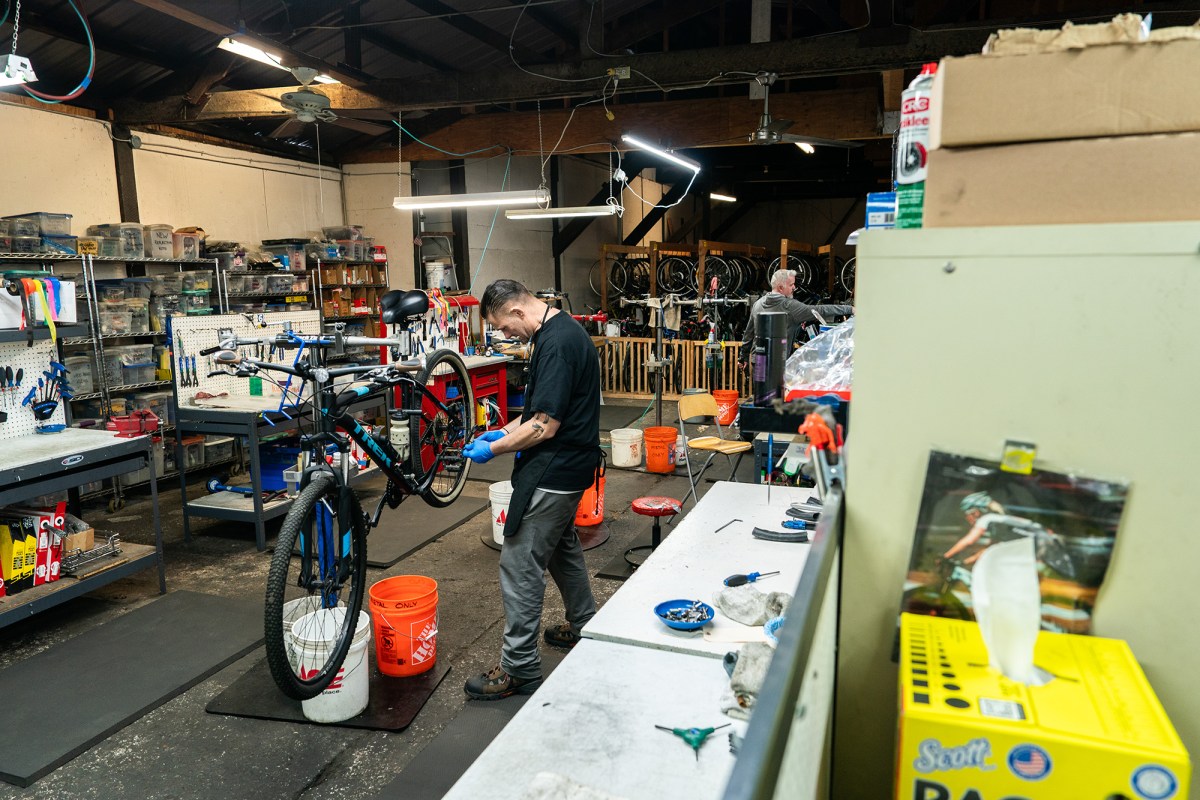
525 197
724 198
633 141
806 147
15 70
565 211
247 50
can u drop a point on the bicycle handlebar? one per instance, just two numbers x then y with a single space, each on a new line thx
290 341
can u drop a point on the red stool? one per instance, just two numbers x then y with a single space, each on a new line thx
656 507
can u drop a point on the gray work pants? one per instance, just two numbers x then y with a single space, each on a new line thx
545 540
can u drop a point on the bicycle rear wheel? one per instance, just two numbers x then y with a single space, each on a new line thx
319 564
437 437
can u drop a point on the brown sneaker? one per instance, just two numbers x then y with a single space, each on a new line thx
562 636
496 684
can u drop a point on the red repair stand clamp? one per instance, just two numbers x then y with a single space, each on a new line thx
824 445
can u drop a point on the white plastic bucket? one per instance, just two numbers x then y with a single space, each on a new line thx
499 494
627 447
435 274
612 329
292 611
348 693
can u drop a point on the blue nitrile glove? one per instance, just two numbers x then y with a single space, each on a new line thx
490 436
479 451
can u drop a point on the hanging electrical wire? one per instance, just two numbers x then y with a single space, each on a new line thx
52 99
447 152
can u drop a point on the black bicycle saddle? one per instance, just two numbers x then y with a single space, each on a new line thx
401 307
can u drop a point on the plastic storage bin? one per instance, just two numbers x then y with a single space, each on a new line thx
88 245
26 244
47 223
111 292
110 246
185 245
133 374
343 232
255 283
139 315
300 285
199 280
217 448
279 284
23 226
59 244
170 283
81 374
139 288
129 234
193 451
161 307
194 301
158 241
158 402
115 319
235 284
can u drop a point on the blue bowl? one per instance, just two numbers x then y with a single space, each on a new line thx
771 629
669 605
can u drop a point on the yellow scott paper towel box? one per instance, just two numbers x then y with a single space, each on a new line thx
1095 729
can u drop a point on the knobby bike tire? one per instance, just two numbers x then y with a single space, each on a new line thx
440 494
283 562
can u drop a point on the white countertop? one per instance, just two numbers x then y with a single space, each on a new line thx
36 448
473 362
593 720
693 561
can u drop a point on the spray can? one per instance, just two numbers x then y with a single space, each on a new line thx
912 149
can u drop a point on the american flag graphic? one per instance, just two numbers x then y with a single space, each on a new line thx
1029 761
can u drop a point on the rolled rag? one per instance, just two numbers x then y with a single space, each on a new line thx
749 606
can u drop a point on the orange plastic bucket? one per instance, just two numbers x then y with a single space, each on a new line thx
405 619
591 505
660 449
727 405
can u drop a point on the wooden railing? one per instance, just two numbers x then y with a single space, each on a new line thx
623 372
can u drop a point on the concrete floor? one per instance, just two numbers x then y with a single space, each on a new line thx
180 751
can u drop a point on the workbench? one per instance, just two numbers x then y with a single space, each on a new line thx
488 379
593 720
692 563
49 463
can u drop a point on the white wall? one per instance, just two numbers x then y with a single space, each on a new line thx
234 194
370 190
58 163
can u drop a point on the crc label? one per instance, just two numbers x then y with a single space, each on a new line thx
932 756
71 461
1154 782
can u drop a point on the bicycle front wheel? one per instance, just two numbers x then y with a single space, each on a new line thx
319 565
437 436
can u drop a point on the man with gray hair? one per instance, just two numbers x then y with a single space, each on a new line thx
783 285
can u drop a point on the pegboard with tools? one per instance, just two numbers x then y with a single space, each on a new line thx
21 367
191 334
447 324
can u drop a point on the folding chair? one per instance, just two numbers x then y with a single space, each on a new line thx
695 405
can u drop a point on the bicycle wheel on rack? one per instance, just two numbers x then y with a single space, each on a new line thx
323 539
437 437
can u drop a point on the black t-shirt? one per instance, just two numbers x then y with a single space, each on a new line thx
564 383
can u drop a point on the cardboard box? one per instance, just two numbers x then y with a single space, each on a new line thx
1119 179
1095 730
1108 90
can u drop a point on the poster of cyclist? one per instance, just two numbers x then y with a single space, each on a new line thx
969 504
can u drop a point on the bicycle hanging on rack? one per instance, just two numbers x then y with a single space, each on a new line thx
321 553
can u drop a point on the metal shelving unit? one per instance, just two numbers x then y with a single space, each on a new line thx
316 274
94 456
87 332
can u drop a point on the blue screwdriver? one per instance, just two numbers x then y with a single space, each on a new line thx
741 580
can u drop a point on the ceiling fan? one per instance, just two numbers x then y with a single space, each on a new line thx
307 105
771 131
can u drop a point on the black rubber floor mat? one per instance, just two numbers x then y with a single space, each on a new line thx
617 568
415 524
63 700
613 417
443 761
394 702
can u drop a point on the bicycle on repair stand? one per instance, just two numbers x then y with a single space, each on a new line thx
321 553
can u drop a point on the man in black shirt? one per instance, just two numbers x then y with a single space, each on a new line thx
557 442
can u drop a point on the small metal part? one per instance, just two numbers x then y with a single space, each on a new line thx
726 525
